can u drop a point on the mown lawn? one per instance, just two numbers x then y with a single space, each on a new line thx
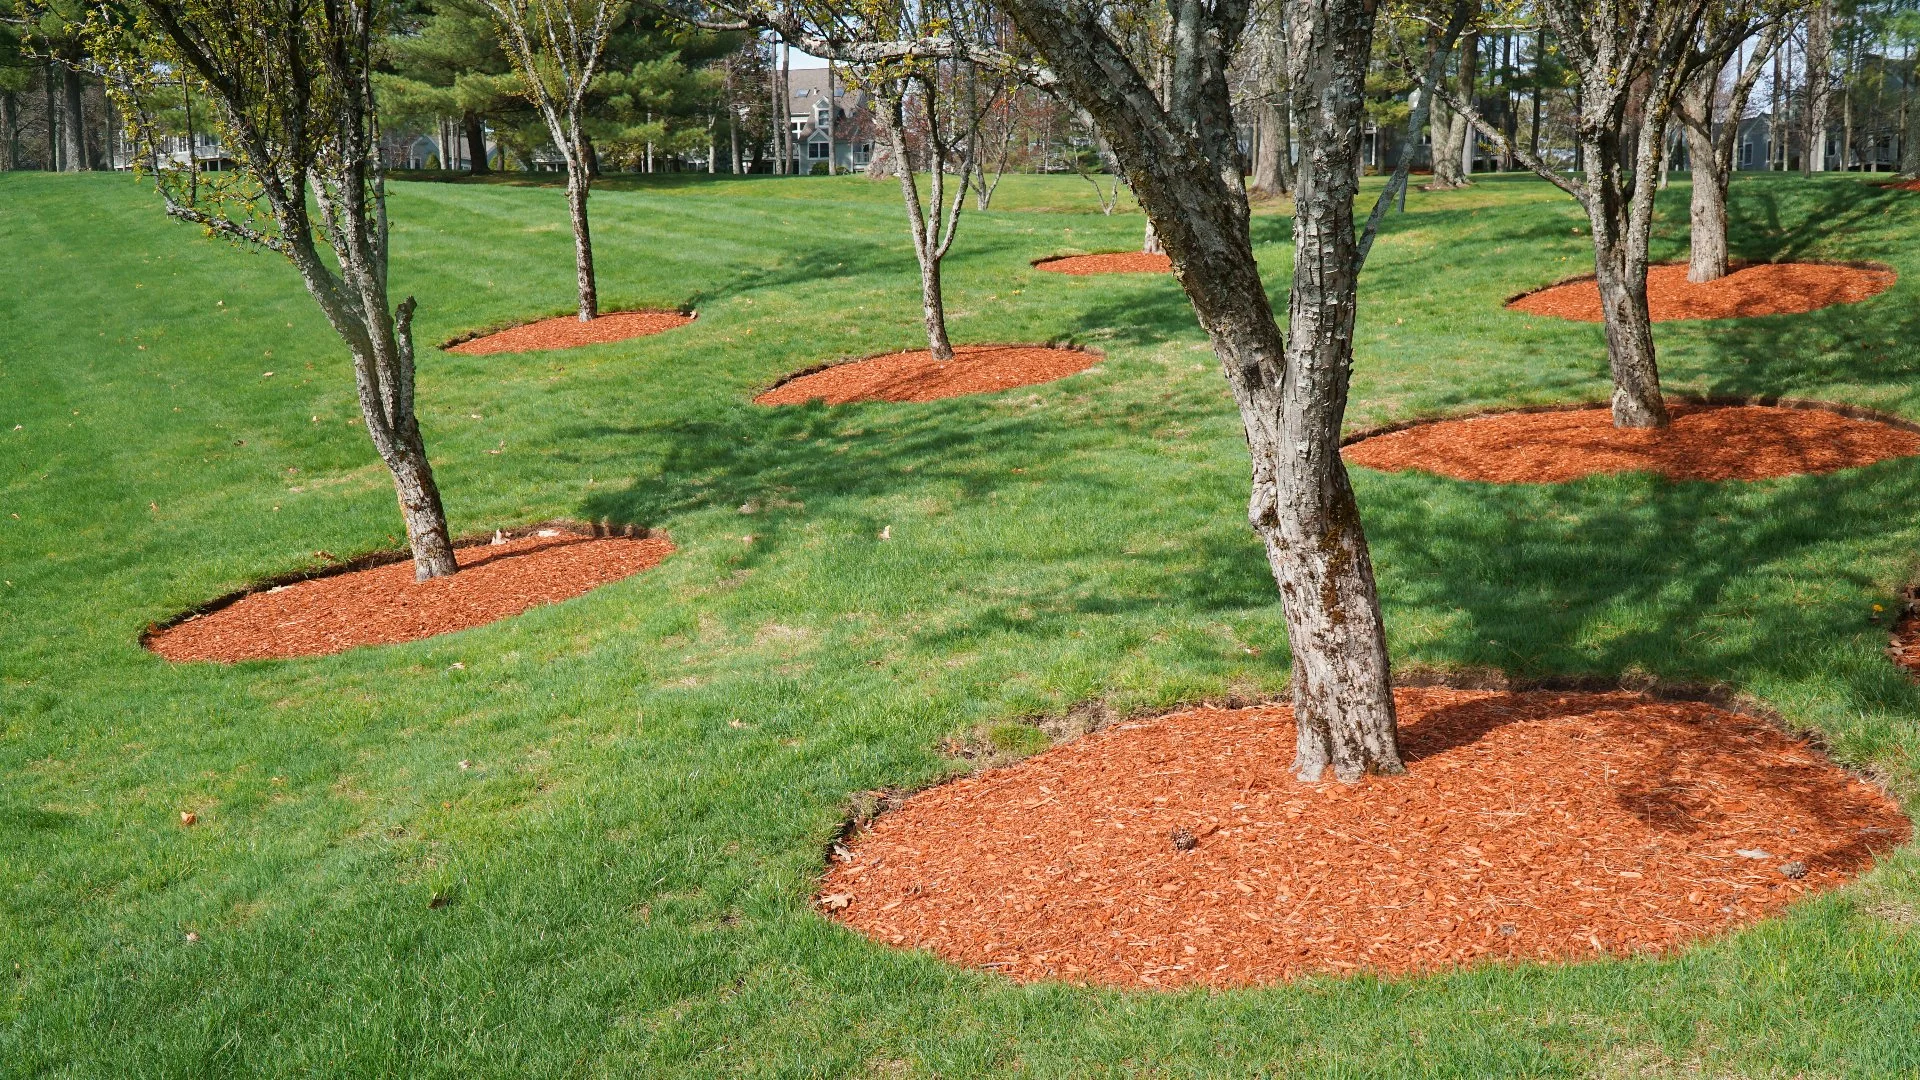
657 765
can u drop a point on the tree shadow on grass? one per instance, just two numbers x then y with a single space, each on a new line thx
1699 582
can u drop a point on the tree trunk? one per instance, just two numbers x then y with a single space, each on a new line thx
1819 92
833 109
1150 243
421 509
476 143
1911 145
1707 257
47 81
579 183
1270 164
1303 504
1449 130
890 116
9 127
1620 271
73 129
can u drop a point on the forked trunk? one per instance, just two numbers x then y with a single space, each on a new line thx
1707 259
579 182
1621 274
1449 135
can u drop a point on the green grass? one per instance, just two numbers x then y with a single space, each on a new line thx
658 763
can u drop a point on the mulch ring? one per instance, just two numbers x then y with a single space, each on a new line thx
1760 289
1705 442
1904 648
917 376
1111 262
376 601
1905 185
1538 825
567 332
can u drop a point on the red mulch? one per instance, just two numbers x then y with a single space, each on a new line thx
381 605
1706 442
917 376
1536 826
1905 647
1763 289
1908 185
1112 262
567 331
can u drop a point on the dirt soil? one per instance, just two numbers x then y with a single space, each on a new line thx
917 376
567 331
1763 289
1112 262
1530 826
1706 442
381 605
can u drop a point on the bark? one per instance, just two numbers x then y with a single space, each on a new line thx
1819 90
932 231
1707 257
1620 242
73 127
1184 168
47 81
1910 146
579 185
1272 172
476 143
1449 132
9 131
1150 243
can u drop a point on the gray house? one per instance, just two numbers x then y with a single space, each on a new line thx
840 127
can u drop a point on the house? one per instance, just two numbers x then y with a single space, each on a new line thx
840 128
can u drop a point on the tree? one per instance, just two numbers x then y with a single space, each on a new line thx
290 85
1710 151
1178 145
1819 60
449 63
1452 139
1630 60
557 45
1273 113
941 95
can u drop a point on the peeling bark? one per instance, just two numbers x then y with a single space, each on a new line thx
1181 159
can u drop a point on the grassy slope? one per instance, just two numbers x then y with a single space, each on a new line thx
657 764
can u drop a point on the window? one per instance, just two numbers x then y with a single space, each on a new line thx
821 114
1746 154
862 153
817 150
797 125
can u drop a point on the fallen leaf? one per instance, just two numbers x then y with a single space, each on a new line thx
836 901
188 817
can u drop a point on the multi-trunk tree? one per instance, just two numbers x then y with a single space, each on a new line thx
557 46
1630 60
922 90
1177 140
289 87
1711 120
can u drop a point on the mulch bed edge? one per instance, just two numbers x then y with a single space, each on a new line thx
1733 266
865 806
1711 401
685 311
386 557
1066 344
